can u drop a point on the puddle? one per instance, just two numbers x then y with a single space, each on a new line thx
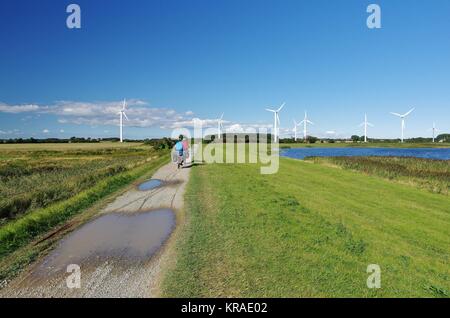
150 184
113 237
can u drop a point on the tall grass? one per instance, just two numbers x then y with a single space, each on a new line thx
46 190
34 179
430 174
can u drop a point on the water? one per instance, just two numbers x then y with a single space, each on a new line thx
119 237
150 184
428 153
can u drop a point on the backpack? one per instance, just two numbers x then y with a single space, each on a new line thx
179 146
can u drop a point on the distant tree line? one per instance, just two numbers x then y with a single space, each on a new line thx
59 140
168 143
239 137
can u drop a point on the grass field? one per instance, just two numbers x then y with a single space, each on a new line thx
34 176
44 185
433 175
68 146
309 231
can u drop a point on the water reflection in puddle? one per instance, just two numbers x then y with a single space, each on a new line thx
118 237
150 184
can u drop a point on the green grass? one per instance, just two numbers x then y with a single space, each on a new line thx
77 178
67 146
433 175
35 176
308 231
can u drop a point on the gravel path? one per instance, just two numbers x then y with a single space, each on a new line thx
115 274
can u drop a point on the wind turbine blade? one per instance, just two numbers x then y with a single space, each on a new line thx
125 115
270 110
310 122
371 125
396 114
301 122
124 104
221 117
278 118
281 107
411 110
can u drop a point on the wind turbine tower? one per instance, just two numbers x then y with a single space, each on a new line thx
305 122
276 121
219 126
433 129
365 123
403 120
122 115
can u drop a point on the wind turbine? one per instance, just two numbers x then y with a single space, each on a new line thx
295 129
305 121
403 119
219 126
433 129
365 123
276 121
122 114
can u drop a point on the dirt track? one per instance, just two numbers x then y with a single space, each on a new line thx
115 275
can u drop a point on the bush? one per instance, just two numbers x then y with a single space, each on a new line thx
159 144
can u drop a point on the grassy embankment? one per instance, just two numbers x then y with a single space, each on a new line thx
309 231
42 188
433 175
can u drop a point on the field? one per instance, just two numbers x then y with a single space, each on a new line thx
309 231
433 175
44 185
33 178
66 146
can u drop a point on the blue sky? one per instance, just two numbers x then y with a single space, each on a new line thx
178 60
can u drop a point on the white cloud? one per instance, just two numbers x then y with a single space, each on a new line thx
139 112
103 113
10 132
189 123
246 128
46 131
61 131
16 109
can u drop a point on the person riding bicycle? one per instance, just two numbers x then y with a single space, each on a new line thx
179 148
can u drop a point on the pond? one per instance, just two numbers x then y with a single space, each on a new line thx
428 153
